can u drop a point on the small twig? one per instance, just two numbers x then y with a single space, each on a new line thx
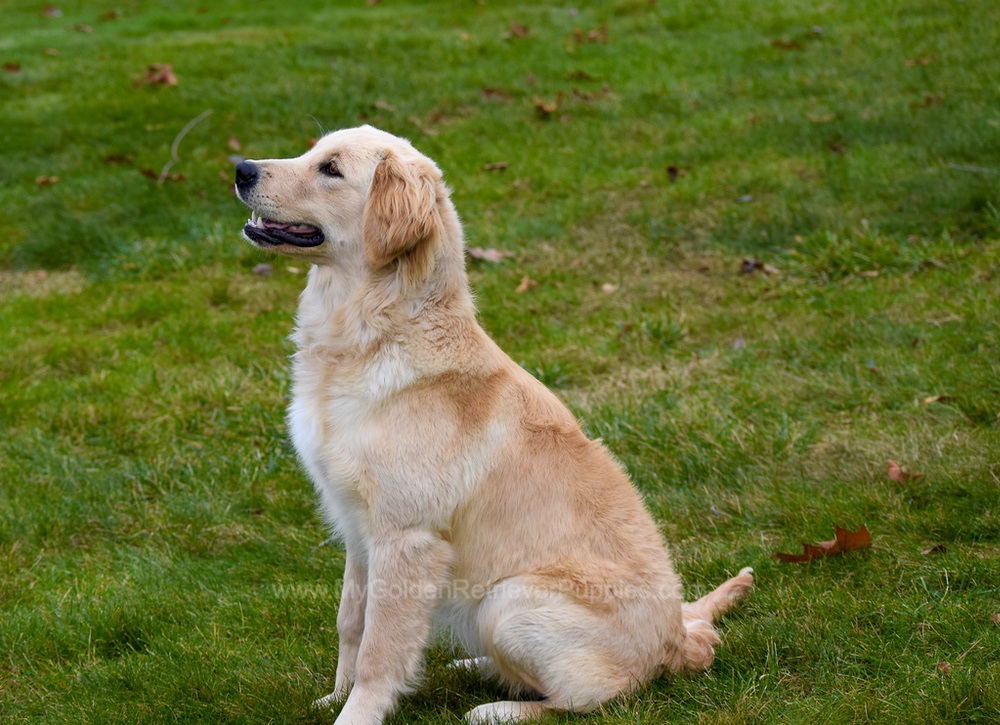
174 158
973 169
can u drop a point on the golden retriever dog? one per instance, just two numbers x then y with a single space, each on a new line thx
464 491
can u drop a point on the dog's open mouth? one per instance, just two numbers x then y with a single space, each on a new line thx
267 231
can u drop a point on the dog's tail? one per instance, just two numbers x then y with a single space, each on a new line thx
699 616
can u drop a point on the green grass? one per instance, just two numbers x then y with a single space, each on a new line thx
160 555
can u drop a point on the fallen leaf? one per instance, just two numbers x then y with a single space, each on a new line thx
936 549
921 60
526 284
937 399
595 96
118 159
234 143
149 173
516 30
495 94
496 166
109 15
674 173
83 28
944 668
750 265
12 66
929 99
543 108
900 474
783 44
159 74
47 180
846 541
489 255
837 147
597 35
995 618
263 269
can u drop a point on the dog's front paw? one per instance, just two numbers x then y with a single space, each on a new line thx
336 697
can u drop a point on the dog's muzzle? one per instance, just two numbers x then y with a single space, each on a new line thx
268 232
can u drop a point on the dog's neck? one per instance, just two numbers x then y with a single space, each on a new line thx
348 310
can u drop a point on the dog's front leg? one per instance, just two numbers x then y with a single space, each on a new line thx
405 572
350 622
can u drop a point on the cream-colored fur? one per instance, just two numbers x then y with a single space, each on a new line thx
463 489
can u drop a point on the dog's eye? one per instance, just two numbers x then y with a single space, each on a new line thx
331 169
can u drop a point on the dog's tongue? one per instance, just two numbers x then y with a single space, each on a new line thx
291 228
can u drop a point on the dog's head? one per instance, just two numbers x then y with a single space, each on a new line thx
359 196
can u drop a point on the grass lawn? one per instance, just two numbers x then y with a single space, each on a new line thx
160 556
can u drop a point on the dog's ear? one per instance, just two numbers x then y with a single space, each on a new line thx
402 209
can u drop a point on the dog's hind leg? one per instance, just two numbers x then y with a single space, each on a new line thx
548 644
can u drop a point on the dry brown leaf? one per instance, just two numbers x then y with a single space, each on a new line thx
782 44
929 99
837 147
118 159
47 180
995 617
159 178
944 667
234 143
109 15
846 541
937 399
490 93
489 255
900 474
921 60
12 66
544 108
516 30
597 35
159 74
936 549
83 28
526 284
496 166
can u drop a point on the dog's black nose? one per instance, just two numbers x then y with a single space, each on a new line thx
247 174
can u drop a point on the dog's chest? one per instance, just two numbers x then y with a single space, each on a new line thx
330 422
